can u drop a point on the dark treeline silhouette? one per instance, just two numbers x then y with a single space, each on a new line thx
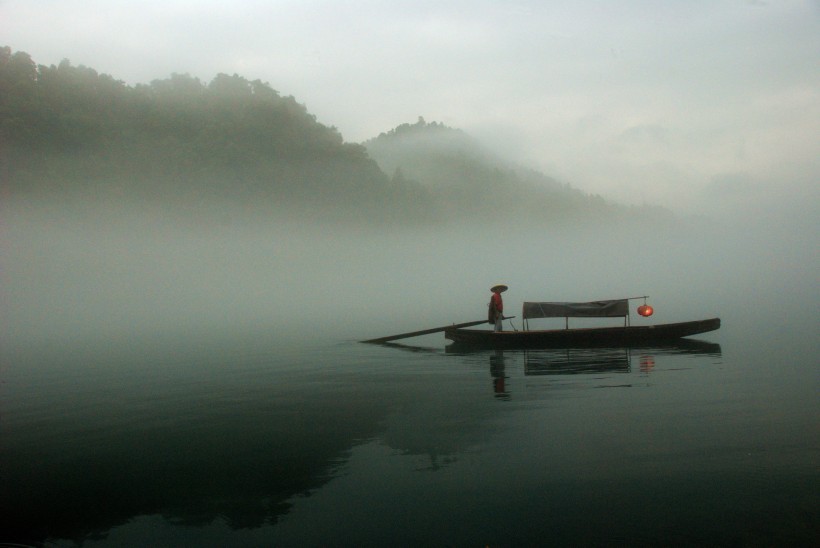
68 130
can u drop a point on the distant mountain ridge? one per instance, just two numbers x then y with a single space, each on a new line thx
69 130
471 181
416 147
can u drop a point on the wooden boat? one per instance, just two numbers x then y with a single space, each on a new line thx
620 336
626 335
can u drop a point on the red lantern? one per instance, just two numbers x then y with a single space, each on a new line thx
645 310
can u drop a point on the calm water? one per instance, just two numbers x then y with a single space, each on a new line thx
135 412
349 444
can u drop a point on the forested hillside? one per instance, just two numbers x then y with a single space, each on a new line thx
69 131
471 181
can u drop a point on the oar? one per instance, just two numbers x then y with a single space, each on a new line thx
427 331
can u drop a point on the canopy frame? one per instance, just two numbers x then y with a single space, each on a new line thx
616 308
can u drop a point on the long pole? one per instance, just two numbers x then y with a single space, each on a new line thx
426 331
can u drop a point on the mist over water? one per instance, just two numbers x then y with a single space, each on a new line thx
198 377
188 264
81 276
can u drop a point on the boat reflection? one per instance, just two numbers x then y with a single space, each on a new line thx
583 360
569 361
679 346
577 360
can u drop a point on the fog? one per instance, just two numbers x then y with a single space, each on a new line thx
103 278
635 101
186 265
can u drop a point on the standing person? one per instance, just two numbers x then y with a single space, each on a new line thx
497 304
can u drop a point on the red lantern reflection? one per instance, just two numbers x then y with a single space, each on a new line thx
645 310
647 363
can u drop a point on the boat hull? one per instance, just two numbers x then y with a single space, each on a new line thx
589 337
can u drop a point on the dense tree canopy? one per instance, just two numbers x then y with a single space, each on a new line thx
68 129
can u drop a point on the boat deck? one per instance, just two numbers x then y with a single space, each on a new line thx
593 336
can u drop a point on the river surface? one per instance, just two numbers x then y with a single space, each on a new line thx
342 443
216 433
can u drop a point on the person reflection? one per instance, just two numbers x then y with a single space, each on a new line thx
497 372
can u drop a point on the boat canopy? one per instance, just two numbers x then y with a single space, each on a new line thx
595 309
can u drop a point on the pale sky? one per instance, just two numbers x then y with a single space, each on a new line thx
676 103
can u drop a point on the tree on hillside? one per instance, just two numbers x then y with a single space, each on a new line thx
18 110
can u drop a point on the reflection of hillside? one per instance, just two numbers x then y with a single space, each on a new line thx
201 442
192 461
